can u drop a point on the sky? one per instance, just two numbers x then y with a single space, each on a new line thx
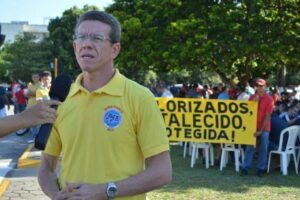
40 11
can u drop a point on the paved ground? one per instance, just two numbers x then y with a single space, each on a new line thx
22 182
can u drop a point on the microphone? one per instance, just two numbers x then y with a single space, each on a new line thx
59 90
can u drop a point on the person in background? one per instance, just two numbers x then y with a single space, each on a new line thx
21 99
42 93
205 92
277 125
232 92
31 95
275 95
223 95
109 129
15 87
290 116
32 87
215 93
183 90
250 90
162 89
37 114
264 112
3 101
298 107
243 95
220 87
192 92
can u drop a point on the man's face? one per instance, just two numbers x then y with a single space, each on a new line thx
260 88
93 48
46 80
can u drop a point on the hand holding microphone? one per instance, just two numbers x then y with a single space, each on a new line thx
58 91
40 113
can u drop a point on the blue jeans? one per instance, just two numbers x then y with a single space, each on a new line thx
21 107
263 141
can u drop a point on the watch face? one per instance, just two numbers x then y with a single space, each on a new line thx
111 191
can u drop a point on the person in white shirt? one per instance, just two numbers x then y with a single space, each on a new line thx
243 94
162 89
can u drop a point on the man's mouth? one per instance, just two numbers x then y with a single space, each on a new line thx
87 56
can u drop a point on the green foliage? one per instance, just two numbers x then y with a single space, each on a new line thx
238 40
187 41
23 57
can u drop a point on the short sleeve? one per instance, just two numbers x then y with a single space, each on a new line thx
54 144
151 130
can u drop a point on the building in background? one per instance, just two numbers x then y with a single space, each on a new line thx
14 28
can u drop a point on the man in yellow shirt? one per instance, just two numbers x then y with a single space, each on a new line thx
107 128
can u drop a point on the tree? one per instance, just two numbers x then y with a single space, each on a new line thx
185 40
238 40
24 57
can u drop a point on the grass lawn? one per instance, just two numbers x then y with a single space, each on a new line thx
201 183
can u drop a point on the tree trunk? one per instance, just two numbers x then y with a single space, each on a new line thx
282 76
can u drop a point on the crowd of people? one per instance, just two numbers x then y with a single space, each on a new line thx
276 111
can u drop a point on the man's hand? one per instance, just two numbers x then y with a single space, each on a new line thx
85 192
59 196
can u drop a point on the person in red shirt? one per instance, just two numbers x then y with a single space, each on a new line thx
275 95
21 99
263 127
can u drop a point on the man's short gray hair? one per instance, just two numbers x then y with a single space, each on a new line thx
106 18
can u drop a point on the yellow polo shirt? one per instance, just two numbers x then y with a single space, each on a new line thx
106 135
32 88
42 93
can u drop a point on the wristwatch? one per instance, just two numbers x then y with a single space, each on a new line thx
111 190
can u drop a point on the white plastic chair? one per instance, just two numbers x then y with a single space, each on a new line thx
292 134
185 148
298 145
209 153
238 152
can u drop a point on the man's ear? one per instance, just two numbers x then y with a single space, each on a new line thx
116 50
74 46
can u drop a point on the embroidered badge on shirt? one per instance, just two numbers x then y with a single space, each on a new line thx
112 118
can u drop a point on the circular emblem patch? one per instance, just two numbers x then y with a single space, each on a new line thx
112 118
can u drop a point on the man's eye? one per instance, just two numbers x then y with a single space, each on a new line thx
98 38
81 37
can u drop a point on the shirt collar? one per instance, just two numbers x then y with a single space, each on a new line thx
114 87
